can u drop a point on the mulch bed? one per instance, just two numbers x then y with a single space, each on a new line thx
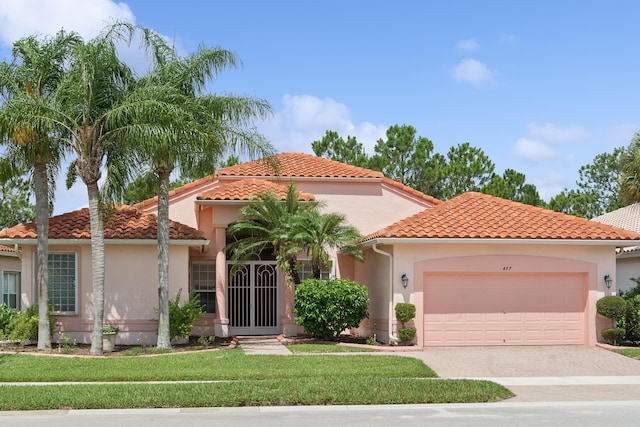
83 350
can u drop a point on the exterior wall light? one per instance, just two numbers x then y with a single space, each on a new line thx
608 281
405 280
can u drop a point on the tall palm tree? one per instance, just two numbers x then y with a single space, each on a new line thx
266 224
318 232
193 132
27 85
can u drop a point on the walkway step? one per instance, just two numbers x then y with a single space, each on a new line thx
270 345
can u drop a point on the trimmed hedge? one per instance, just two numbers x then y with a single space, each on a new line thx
327 307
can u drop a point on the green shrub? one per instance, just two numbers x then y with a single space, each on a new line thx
631 320
326 308
406 334
182 318
613 335
25 326
7 317
405 312
633 292
611 306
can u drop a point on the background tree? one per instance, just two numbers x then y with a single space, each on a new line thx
512 186
15 206
332 146
468 169
630 172
27 86
599 188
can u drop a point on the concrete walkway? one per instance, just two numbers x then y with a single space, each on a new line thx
252 345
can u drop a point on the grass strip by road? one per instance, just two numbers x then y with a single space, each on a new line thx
215 365
290 391
630 352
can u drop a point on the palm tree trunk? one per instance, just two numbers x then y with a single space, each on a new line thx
41 184
97 266
164 340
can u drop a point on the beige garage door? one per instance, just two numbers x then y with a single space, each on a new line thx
504 309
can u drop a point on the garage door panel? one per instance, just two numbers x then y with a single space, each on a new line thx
504 309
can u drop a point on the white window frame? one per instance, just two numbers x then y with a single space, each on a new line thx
305 270
208 280
3 294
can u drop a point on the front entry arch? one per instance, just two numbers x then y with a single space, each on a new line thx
253 298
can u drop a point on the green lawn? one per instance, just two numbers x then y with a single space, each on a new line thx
328 348
241 381
630 352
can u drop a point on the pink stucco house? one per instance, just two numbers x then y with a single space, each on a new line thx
480 270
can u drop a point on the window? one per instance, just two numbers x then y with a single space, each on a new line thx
306 272
62 281
203 283
10 287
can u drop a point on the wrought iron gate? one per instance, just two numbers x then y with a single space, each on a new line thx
253 298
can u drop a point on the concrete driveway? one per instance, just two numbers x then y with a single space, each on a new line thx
538 374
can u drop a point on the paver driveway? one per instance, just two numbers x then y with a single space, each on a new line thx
527 361
536 374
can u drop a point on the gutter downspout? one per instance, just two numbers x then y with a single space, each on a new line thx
393 340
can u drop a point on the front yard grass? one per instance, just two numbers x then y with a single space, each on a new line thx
230 378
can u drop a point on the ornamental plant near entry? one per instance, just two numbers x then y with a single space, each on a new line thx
614 307
328 307
404 313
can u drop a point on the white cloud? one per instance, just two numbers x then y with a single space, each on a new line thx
550 183
467 45
20 18
533 150
474 72
306 118
552 133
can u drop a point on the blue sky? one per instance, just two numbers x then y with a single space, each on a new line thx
541 86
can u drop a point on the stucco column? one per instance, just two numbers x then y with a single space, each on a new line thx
222 319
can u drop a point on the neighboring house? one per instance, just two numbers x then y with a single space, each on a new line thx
628 258
10 266
481 270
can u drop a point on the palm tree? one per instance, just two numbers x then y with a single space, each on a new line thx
318 232
630 172
193 132
266 223
27 85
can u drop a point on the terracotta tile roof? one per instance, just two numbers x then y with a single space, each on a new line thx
154 200
7 249
479 216
627 217
247 189
297 165
412 191
125 223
